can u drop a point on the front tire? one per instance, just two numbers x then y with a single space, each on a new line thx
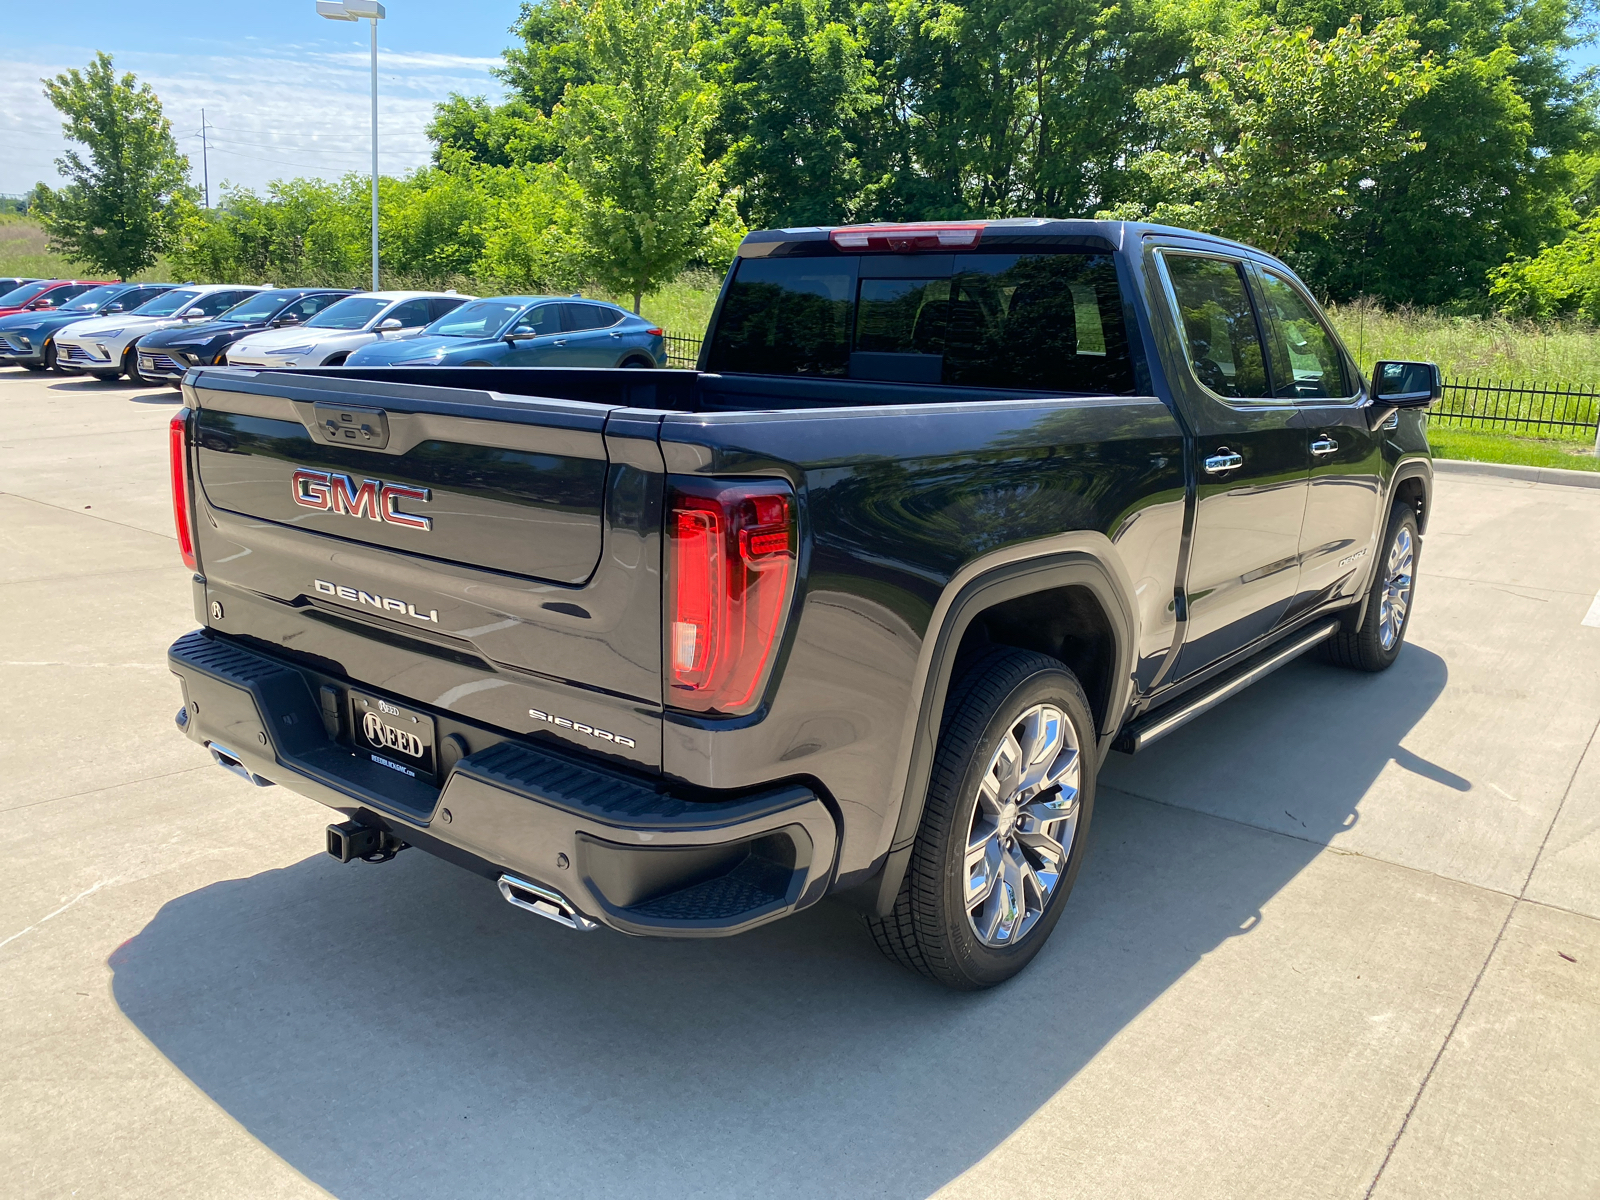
1375 643
1005 826
130 368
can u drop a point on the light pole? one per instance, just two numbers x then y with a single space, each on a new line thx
355 10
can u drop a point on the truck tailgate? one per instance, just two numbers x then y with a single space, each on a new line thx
493 556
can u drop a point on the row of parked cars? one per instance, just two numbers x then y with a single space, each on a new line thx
154 332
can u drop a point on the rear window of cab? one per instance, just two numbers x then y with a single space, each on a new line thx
1036 322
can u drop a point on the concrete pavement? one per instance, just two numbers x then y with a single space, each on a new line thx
1339 937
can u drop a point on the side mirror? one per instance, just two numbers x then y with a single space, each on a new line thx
115 307
281 322
1406 384
44 302
390 325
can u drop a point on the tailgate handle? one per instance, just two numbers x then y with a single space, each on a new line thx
348 425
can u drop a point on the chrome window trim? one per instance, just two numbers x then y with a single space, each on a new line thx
1250 403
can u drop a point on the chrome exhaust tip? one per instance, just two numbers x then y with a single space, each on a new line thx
549 904
229 761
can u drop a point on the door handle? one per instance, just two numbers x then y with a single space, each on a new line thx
1223 460
615 334
559 342
1324 445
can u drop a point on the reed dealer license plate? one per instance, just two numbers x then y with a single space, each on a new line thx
394 736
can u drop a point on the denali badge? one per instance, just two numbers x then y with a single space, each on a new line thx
580 727
385 604
381 734
378 501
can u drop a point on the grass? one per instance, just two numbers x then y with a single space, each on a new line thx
1470 445
683 306
24 251
1484 347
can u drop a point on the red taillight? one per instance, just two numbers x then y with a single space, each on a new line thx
730 562
656 331
178 460
948 235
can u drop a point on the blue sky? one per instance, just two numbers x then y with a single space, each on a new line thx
287 90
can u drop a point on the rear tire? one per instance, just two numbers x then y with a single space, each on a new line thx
1376 642
1001 838
637 362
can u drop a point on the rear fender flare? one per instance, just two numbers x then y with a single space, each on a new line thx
1072 560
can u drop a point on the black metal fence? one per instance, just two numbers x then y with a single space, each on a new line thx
1569 413
682 351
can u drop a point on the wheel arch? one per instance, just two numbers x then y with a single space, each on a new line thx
1412 484
1072 604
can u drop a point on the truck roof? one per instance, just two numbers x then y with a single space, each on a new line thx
913 236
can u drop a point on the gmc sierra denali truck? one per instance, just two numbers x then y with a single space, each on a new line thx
947 513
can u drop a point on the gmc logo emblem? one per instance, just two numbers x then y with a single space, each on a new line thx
378 501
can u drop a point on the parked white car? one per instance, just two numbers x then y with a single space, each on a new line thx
103 346
327 339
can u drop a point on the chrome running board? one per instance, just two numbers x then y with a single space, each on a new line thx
1154 726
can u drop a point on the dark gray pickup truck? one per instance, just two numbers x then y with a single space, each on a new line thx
947 513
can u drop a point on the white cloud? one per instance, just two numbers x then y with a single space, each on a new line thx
296 111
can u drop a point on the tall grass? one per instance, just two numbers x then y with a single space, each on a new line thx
1487 347
24 250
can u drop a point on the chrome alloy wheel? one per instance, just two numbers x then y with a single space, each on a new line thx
1022 826
1396 600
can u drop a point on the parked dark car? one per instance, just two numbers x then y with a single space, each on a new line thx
526 331
27 339
166 354
43 294
857 609
7 285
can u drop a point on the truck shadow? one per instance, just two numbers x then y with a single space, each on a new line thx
401 1032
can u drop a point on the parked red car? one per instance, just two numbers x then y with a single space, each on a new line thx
45 294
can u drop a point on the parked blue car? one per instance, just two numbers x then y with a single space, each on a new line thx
525 331
27 338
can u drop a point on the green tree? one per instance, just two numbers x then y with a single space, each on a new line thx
1017 107
645 200
470 129
796 93
119 210
1498 130
1262 145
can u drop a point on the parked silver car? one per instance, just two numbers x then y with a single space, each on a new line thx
103 346
327 339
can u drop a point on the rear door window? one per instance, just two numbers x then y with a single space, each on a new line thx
440 305
1220 333
787 316
589 316
1306 363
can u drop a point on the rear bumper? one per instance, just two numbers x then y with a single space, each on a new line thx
640 855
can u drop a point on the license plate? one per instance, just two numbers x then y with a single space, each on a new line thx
393 735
